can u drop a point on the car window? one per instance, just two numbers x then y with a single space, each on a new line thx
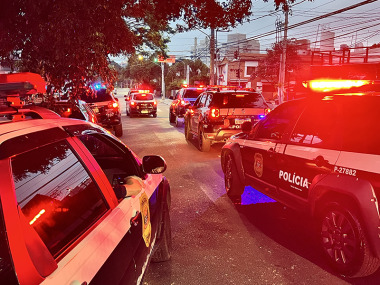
100 95
239 100
278 121
111 157
360 124
143 97
317 126
56 194
192 93
208 100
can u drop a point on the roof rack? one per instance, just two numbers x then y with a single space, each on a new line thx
16 90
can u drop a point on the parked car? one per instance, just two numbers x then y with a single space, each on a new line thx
106 107
63 218
218 114
319 156
184 98
141 103
77 109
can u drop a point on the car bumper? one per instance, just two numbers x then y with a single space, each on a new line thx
221 134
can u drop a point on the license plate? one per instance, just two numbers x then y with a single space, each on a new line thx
240 121
144 111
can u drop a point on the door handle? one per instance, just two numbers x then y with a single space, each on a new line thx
135 219
320 161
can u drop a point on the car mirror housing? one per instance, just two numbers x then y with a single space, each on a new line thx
153 164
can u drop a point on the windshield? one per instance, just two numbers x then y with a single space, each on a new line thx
143 96
240 100
192 93
97 96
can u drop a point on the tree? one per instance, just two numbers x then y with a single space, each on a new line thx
72 40
269 66
143 72
199 72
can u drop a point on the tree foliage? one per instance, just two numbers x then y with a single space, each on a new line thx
198 72
269 66
71 40
143 72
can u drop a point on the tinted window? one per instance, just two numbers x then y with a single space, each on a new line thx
360 124
191 93
56 194
317 126
97 96
143 97
273 127
241 100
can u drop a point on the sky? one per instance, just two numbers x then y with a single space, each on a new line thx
361 24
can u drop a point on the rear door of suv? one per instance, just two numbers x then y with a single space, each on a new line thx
312 149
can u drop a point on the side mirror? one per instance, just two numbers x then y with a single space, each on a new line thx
246 127
153 164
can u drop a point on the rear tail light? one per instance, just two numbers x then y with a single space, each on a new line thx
183 102
267 111
133 103
215 113
155 103
113 105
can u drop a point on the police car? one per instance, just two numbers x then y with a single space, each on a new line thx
219 113
320 156
184 98
61 220
141 102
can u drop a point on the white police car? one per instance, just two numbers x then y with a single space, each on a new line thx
320 156
61 222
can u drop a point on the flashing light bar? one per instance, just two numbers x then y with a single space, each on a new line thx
143 91
330 85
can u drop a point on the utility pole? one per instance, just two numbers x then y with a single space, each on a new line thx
162 80
281 77
212 57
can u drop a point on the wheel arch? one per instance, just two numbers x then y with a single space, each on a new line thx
348 191
233 149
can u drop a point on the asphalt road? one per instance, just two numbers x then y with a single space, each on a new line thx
215 241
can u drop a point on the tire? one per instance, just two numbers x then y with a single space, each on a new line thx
204 144
127 112
118 130
188 135
344 243
171 117
154 115
131 114
233 185
163 247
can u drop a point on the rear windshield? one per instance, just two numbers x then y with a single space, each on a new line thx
192 93
143 96
97 96
241 100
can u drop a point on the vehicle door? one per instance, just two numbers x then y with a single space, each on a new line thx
198 112
117 162
260 151
312 149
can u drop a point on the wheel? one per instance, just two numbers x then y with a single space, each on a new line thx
127 112
188 134
171 117
154 115
204 144
344 243
162 249
233 185
118 130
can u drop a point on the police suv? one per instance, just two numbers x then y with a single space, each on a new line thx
219 113
64 217
321 156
